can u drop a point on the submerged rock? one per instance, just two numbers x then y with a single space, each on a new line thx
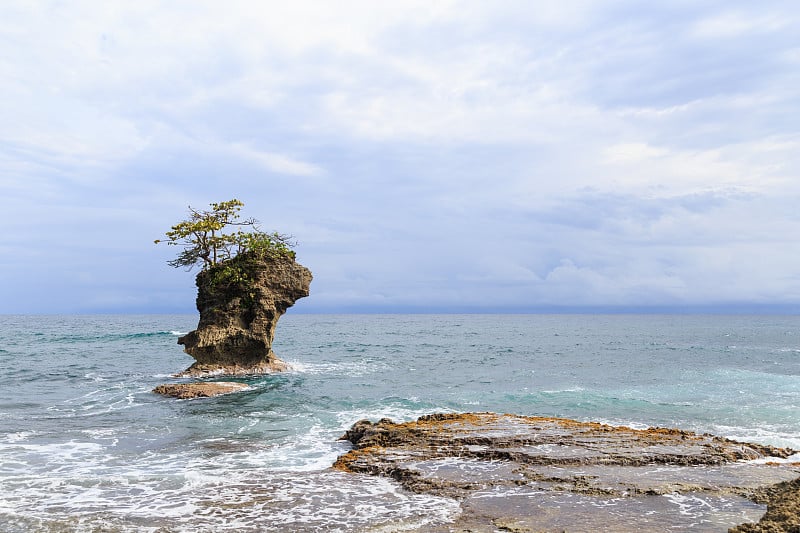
207 389
517 473
240 302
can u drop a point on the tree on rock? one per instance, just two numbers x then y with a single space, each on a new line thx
248 279
207 239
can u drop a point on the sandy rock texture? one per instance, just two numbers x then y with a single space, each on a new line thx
783 510
240 302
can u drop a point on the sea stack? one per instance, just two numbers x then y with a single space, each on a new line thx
240 301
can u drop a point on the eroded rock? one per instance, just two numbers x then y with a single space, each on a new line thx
783 511
240 302
549 474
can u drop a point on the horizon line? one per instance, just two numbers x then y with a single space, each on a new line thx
697 309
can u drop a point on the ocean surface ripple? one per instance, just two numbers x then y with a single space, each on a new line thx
85 445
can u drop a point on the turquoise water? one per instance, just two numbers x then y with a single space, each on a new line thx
85 445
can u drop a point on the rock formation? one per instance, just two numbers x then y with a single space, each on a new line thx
205 389
783 511
240 302
517 473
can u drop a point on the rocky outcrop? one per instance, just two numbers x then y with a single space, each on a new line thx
240 302
206 389
783 511
516 473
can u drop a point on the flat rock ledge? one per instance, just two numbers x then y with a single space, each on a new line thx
533 474
206 389
199 370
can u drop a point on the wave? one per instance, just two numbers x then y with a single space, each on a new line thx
226 501
347 368
18 436
243 490
781 436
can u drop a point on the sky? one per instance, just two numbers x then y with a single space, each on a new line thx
427 156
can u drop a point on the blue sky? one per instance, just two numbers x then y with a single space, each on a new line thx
427 156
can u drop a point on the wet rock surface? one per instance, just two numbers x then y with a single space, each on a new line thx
515 473
783 511
240 302
207 389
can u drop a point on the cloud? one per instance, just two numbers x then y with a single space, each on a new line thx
732 24
456 154
274 162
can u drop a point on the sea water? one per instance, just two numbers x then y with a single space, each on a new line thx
86 446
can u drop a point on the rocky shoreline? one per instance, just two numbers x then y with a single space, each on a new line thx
783 510
517 473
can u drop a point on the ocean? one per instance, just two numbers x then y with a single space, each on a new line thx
86 446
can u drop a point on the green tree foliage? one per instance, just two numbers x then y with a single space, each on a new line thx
208 237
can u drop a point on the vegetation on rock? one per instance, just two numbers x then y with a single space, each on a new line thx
208 240
248 278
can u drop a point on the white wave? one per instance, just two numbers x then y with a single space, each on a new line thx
395 413
19 436
101 433
792 459
198 478
54 458
297 366
761 435
218 498
99 402
178 333
314 449
633 424
350 369
307 453
687 504
558 391
353 502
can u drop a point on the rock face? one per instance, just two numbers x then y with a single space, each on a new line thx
240 302
783 511
515 473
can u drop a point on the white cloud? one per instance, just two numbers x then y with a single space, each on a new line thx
275 162
632 152
739 23
646 146
758 165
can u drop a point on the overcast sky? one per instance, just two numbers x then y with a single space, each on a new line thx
426 155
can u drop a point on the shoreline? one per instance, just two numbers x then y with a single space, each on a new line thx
521 473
